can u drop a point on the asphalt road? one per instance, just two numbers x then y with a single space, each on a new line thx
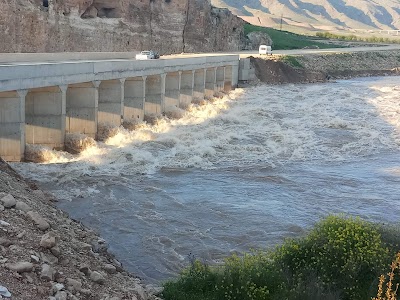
331 50
42 58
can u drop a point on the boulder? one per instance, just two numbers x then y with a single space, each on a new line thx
256 38
20 267
97 277
8 201
22 206
47 273
75 284
39 221
48 240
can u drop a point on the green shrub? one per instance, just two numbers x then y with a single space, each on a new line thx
352 37
390 235
342 254
251 277
341 258
195 283
292 61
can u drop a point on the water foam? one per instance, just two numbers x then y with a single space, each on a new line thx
271 125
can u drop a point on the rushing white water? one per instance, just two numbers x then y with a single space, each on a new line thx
240 172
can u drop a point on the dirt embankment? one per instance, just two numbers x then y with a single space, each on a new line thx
322 67
275 71
46 255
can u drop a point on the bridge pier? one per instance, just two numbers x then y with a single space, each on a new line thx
220 79
12 129
199 84
82 108
45 116
228 79
211 82
111 102
187 83
155 94
172 90
134 100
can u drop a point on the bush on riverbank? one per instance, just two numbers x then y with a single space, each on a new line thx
341 258
352 37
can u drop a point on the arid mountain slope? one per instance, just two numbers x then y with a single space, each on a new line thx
318 14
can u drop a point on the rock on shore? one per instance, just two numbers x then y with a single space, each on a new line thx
46 255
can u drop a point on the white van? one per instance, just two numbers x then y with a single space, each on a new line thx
264 49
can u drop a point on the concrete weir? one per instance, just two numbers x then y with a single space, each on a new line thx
45 116
199 84
211 83
187 84
172 90
155 95
42 102
134 100
82 108
111 102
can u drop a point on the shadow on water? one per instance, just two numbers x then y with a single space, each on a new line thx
264 167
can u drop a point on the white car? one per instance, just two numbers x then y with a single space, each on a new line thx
147 55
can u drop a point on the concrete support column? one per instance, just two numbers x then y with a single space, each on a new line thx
172 90
45 116
199 84
228 79
187 85
134 99
111 102
235 75
12 125
220 79
82 107
244 69
163 78
155 93
211 82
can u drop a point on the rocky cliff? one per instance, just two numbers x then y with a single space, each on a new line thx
168 26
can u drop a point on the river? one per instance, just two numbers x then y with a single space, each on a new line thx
237 173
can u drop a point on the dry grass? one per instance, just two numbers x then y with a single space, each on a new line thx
391 289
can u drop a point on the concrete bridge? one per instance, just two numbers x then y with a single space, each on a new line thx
41 102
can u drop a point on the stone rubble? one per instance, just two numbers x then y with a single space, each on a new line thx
45 255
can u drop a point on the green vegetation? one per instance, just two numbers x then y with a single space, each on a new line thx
292 61
287 40
352 37
341 258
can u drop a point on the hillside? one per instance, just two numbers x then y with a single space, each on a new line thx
324 15
169 26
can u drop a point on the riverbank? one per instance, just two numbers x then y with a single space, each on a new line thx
43 253
71 261
313 68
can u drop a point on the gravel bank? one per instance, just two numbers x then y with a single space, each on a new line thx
46 255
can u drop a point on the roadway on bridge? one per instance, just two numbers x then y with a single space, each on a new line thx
45 58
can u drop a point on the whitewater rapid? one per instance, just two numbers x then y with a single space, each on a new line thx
238 172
